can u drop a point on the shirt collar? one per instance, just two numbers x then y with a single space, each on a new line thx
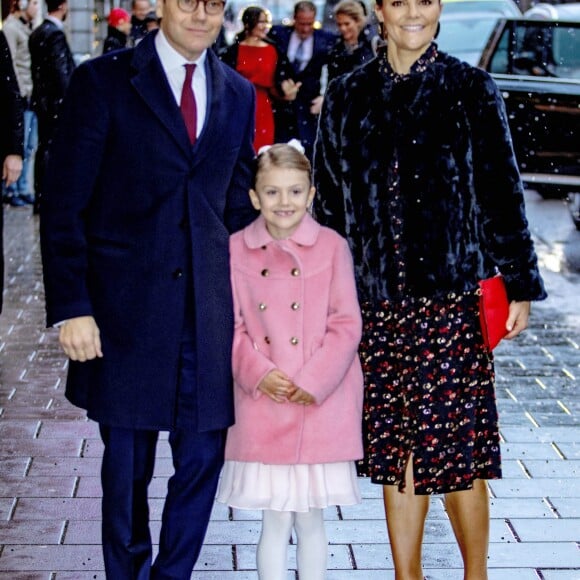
170 58
256 235
56 21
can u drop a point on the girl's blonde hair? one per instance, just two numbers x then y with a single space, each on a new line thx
282 156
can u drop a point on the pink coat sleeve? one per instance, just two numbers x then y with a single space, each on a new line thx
249 365
326 369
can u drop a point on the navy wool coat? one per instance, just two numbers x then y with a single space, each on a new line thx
133 217
441 135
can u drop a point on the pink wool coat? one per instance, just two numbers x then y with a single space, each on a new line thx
296 309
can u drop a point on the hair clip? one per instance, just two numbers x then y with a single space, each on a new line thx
294 143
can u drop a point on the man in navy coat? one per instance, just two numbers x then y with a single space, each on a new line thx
134 229
308 49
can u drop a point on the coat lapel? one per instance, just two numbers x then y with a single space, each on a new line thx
151 83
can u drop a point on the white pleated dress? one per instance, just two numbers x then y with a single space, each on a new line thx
297 488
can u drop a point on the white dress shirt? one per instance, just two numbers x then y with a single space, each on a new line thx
172 63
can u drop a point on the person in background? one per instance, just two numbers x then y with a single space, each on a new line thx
298 392
414 164
308 49
152 21
17 29
52 65
354 46
118 30
149 175
257 58
11 134
140 10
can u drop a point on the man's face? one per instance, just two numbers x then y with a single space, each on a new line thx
141 8
189 33
304 23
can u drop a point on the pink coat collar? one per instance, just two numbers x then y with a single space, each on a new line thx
257 235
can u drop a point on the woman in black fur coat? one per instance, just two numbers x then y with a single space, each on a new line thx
414 165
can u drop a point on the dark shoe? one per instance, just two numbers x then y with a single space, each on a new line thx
27 198
17 201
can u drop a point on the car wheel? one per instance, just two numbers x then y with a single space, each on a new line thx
574 207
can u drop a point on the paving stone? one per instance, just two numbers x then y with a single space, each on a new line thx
533 488
30 532
51 558
557 469
558 530
37 486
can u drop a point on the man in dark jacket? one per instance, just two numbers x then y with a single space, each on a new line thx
307 48
11 132
52 66
141 198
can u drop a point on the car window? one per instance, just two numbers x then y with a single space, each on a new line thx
532 49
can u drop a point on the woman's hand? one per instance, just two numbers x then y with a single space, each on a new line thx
277 386
518 318
290 89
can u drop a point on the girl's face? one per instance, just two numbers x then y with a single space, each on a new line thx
282 195
348 28
262 26
410 25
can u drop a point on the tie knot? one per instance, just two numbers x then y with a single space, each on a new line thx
189 69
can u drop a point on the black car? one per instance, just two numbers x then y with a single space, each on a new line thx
536 64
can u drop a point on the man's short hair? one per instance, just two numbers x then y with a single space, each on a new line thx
304 6
53 5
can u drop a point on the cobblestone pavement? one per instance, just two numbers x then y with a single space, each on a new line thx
50 455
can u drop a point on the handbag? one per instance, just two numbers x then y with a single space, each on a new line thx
493 310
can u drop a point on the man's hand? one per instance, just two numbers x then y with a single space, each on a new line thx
290 89
80 338
11 169
316 105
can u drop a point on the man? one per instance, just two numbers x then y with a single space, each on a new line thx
52 66
140 10
140 201
307 49
11 133
17 29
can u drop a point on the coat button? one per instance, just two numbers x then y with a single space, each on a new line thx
265 272
262 306
295 305
295 272
267 339
178 273
294 341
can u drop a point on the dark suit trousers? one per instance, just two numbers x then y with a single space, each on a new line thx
128 463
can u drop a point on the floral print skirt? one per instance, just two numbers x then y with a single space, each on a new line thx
429 392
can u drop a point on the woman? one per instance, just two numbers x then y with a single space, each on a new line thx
256 58
414 165
355 45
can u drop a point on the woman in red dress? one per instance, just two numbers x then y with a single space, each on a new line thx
258 59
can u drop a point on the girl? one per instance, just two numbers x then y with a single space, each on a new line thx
298 380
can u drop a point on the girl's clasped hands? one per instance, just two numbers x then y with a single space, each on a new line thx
281 389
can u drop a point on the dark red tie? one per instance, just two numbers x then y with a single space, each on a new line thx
187 104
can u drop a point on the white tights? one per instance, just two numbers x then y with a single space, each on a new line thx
311 548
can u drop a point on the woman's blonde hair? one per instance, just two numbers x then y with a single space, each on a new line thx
353 9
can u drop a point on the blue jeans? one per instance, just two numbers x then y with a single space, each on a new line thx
21 187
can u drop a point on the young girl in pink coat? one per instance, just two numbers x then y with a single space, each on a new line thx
298 380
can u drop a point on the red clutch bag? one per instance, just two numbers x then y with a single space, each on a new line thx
493 310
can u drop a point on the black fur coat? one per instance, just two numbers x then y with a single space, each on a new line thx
433 150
